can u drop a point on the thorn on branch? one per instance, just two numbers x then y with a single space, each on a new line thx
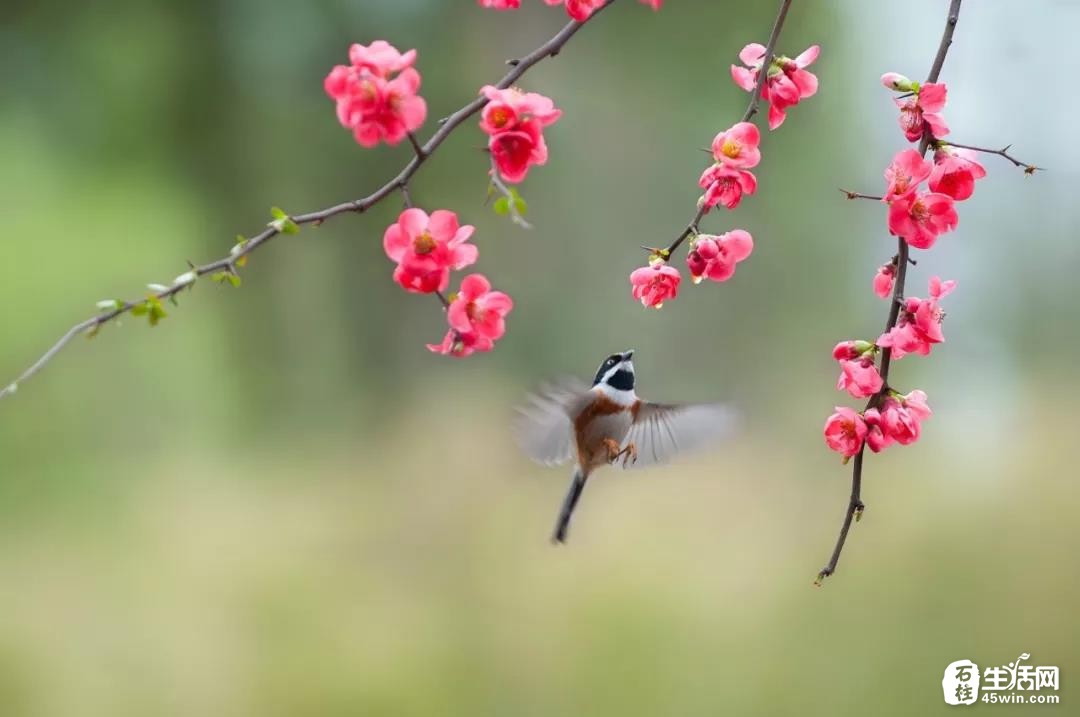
513 63
858 195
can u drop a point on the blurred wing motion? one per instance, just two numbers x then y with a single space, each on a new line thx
544 428
661 431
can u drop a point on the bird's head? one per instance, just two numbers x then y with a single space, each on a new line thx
616 373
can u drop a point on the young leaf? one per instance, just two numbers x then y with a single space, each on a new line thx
501 206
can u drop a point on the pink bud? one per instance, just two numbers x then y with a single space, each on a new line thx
896 81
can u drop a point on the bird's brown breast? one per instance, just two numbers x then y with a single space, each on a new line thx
589 438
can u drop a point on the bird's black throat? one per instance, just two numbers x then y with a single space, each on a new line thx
622 380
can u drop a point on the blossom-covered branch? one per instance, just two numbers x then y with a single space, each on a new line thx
917 218
782 82
377 99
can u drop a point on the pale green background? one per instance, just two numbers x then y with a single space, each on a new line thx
279 503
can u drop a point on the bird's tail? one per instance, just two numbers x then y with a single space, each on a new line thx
577 484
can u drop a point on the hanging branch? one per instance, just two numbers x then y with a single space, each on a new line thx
225 268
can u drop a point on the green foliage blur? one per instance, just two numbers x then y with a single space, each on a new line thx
278 502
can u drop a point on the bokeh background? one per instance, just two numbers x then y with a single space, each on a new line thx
279 503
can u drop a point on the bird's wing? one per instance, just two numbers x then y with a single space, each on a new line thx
544 425
660 431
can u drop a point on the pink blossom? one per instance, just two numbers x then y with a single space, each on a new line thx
373 105
714 257
655 284
515 121
923 111
461 345
918 327
877 438
845 431
907 170
859 377
427 248
883 280
787 81
899 423
847 350
896 81
921 217
579 10
501 4
380 58
955 171
737 147
477 310
726 186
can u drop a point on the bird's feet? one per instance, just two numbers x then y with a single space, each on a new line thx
613 451
629 455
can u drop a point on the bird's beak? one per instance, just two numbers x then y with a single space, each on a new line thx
627 355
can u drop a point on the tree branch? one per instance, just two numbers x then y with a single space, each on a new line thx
855 505
1003 152
229 263
751 110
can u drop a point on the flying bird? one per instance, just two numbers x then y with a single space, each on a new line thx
607 423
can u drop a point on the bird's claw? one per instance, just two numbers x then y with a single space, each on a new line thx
629 454
613 451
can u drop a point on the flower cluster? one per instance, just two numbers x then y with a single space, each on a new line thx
735 152
918 216
579 10
427 248
787 81
376 93
514 122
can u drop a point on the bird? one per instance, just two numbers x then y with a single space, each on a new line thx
607 423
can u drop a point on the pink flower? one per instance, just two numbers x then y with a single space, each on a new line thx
579 10
371 103
380 58
726 186
847 350
918 327
883 280
955 171
477 310
738 147
907 171
920 218
787 81
427 248
877 438
859 377
896 81
899 423
845 431
923 111
714 257
501 4
655 284
515 121
461 345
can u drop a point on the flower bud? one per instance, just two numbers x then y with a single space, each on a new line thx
896 81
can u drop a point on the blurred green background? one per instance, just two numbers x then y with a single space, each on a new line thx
279 503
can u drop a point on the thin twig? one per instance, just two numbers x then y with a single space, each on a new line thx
855 505
857 195
511 200
551 48
751 109
1003 152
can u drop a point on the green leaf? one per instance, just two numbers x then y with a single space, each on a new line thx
140 309
501 206
520 206
283 222
219 276
234 279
